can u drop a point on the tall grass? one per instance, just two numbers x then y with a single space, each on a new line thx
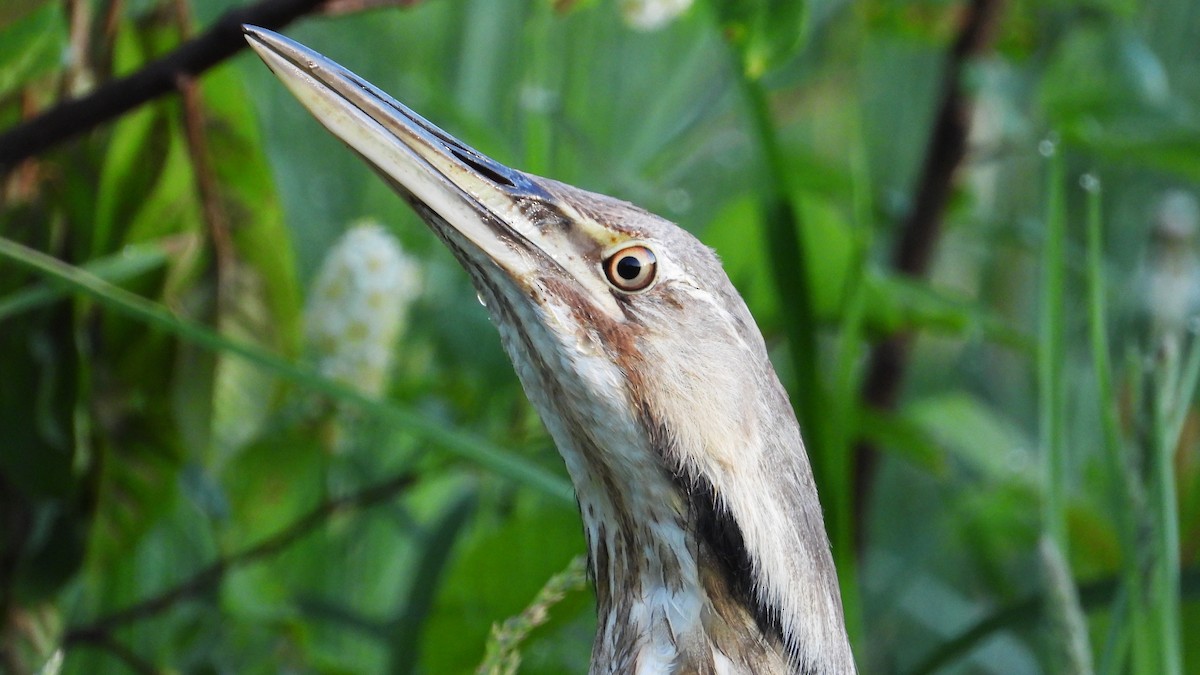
1144 634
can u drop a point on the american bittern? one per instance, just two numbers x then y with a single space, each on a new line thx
705 536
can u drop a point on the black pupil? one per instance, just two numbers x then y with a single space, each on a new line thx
629 267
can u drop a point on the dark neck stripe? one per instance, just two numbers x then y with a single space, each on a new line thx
719 537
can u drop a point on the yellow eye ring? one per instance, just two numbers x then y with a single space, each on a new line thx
631 269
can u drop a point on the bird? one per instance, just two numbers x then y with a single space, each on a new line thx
706 542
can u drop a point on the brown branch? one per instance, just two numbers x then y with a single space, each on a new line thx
914 248
71 118
215 217
208 577
947 144
207 185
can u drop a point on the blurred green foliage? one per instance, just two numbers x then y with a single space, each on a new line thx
181 490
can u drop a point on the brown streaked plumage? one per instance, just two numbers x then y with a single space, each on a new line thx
705 536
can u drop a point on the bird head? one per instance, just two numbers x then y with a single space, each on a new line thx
643 362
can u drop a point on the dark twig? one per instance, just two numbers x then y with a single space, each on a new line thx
914 248
1094 595
122 652
208 577
71 118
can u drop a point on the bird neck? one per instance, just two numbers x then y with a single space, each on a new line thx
646 578
679 591
704 531
669 598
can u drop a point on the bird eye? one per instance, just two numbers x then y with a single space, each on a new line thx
631 269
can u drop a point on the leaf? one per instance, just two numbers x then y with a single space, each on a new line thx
497 572
260 234
765 33
832 255
260 299
138 484
132 166
903 437
503 653
734 234
272 483
31 44
897 303
42 480
414 609
1165 147
978 436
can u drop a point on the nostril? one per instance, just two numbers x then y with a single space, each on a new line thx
483 169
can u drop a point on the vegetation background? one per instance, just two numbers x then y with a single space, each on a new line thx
233 440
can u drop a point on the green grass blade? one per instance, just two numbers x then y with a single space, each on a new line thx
1122 503
1171 407
130 262
1101 358
404 631
499 460
1051 354
1116 644
1072 652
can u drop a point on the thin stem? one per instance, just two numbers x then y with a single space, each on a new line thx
122 652
502 656
1175 398
789 271
789 267
208 577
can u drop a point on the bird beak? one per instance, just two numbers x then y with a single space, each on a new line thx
462 194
